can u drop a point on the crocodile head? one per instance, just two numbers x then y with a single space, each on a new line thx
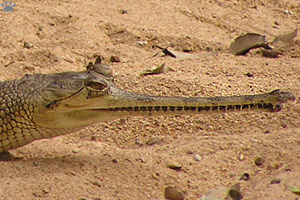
77 99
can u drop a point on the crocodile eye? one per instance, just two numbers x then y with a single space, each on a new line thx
96 86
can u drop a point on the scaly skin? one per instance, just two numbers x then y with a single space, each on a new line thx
44 106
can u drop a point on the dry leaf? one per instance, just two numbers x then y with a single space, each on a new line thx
175 54
222 193
269 53
156 70
294 190
286 38
178 54
243 44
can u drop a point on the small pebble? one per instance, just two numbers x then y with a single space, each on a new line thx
28 68
27 45
270 53
172 193
141 160
275 181
241 157
245 177
274 165
138 141
95 182
142 43
115 59
235 194
174 165
191 152
248 74
259 161
123 11
153 141
197 157
155 176
75 150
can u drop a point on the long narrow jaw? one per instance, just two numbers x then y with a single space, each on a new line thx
130 104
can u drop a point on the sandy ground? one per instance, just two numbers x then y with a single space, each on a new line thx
112 160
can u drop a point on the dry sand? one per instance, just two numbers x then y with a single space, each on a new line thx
105 161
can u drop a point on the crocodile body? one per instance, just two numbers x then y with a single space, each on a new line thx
44 106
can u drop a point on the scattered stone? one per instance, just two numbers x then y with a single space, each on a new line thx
245 177
123 12
114 160
27 45
274 165
40 193
95 182
287 12
115 59
142 43
73 173
75 150
138 141
46 191
191 152
9 63
241 157
248 74
28 68
153 141
35 163
172 193
141 160
284 125
235 194
155 176
197 157
288 168
269 53
275 181
174 165
259 161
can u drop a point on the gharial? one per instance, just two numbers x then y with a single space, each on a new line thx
47 105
